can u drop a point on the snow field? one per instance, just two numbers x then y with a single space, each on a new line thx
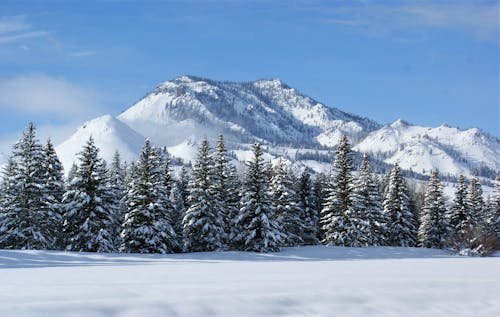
303 281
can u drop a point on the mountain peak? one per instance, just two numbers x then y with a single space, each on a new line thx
400 123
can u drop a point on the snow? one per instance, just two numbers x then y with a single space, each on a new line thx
305 281
109 135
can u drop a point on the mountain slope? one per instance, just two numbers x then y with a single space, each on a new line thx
109 134
178 113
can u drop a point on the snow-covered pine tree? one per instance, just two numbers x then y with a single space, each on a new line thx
475 202
401 229
28 222
319 191
9 235
117 189
54 191
434 227
183 184
88 219
285 204
493 217
146 227
203 225
338 220
308 209
233 200
367 204
460 218
179 211
224 187
71 174
256 226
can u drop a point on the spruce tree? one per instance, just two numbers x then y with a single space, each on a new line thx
256 226
233 201
147 227
493 216
367 204
460 218
308 209
224 187
88 219
401 229
475 202
179 211
183 185
434 228
203 224
285 204
117 189
28 221
54 191
338 216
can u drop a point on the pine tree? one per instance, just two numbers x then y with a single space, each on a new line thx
337 216
285 204
27 219
179 212
71 174
147 227
320 191
203 223
256 225
475 202
308 209
367 204
401 229
493 217
54 191
88 219
224 187
117 189
183 184
434 227
233 201
460 219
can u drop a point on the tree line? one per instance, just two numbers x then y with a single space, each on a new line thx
143 208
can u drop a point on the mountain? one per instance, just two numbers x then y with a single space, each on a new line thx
110 135
179 112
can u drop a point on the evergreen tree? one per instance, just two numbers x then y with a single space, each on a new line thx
308 209
368 208
493 217
320 191
117 189
71 174
256 226
54 191
179 212
203 223
88 219
183 185
233 201
460 218
284 200
224 187
338 216
147 227
28 222
475 202
434 227
401 229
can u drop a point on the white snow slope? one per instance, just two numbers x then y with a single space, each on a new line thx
305 281
179 112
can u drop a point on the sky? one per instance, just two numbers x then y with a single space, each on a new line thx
428 62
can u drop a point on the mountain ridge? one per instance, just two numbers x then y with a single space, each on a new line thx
179 112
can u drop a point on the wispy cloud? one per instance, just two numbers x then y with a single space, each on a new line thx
82 54
39 94
15 28
478 19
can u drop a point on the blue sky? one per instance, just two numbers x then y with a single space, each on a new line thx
429 62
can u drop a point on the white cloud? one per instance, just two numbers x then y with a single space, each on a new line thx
82 54
40 94
479 19
15 28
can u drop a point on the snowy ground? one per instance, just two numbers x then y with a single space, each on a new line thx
307 281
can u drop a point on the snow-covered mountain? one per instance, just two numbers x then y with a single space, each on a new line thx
178 113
